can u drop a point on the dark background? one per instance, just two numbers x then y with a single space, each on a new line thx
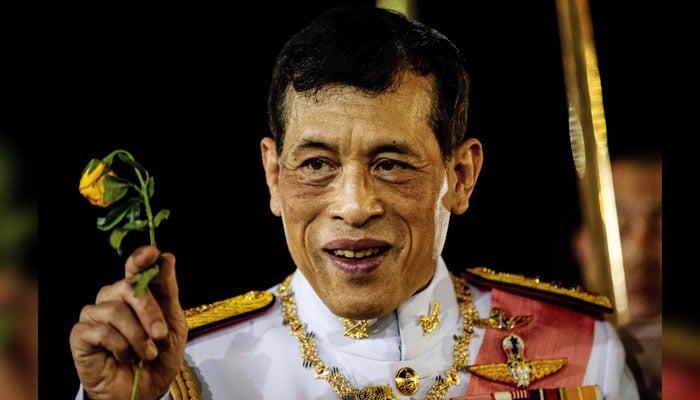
182 86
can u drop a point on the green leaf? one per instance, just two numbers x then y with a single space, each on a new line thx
151 187
135 225
115 188
161 216
113 217
135 209
94 163
116 238
108 159
143 278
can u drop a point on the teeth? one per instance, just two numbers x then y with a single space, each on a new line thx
356 253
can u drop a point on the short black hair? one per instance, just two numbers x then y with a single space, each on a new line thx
367 48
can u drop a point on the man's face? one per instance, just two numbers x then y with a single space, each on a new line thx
363 193
638 199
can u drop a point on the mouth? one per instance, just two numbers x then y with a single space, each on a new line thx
357 261
356 254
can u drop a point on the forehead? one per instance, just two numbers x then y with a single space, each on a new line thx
340 111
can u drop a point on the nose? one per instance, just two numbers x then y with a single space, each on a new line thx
641 244
355 199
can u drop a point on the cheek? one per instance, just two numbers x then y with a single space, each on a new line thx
298 201
416 204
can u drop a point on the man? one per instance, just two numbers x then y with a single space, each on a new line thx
636 174
367 161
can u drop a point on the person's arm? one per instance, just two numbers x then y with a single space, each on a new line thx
120 329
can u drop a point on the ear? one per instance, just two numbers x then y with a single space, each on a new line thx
467 162
268 151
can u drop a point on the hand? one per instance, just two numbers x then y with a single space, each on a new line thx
120 329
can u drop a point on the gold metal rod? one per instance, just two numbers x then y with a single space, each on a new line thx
405 7
589 147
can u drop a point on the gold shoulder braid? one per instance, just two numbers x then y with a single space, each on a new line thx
575 297
340 383
211 316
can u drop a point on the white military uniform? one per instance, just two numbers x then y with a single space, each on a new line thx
258 358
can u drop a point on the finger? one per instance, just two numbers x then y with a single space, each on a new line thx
111 327
165 288
144 310
165 285
140 259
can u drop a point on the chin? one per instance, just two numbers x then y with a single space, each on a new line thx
360 308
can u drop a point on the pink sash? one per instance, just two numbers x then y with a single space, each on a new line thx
553 332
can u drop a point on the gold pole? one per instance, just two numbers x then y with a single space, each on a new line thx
405 7
589 146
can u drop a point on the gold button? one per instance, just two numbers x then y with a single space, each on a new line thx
407 381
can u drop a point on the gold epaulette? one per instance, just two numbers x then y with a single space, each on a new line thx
210 316
575 297
224 312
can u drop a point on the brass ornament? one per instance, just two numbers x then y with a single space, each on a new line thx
518 370
499 319
407 381
341 385
356 329
430 323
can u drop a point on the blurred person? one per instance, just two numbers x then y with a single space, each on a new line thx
18 285
367 160
636 174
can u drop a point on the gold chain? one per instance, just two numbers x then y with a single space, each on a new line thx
342 386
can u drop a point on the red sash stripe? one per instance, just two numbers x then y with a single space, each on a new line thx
553 332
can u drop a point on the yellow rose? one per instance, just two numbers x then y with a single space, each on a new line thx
92 182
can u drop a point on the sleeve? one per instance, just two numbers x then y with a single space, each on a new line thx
607 365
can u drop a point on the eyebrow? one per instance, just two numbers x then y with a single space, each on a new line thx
306 144
391 148
382 148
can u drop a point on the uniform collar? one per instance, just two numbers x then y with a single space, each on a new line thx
394 337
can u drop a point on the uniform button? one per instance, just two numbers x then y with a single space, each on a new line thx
407 381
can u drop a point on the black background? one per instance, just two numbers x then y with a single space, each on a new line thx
182 86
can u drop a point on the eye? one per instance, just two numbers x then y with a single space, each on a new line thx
390 165
315 164
317 167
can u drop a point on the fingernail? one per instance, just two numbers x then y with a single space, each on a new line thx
158 329
151 350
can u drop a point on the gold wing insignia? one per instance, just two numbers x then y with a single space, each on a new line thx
499 319
494 372
503 374
518 370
